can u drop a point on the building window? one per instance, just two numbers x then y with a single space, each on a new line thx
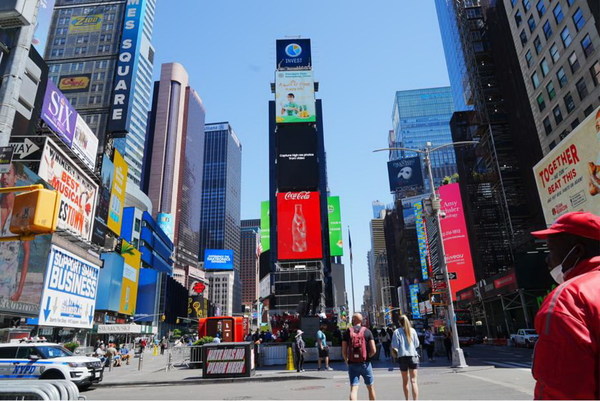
573 62
61 31
552 145
588 110
569 102
541 102
547 126
554 53
550 90
574 123
99 76
562 77
528 58
541 7
547 30
82 39
97 87
582 89
57 52
102 64
531 23
558 14
544 67
587 46
103 48
81 50
570 2
595 71
108 26
518 18
77 66
54 68
563 134
535 80
526 5
95 100
566 36
137 225
73 101
557 115
523 37
106 37
537 43
59 41
578 19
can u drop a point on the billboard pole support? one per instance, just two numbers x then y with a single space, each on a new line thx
351 273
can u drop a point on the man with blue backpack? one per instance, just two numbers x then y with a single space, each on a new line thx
358 347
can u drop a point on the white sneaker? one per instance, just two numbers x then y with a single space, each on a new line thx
328 368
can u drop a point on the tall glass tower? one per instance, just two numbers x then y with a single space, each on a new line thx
420 116
221 200
85 40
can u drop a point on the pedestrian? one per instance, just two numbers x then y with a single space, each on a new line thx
448 344
567 352
429 343
300 350
143 344
323 348
385 339
163 345
358 347
404 346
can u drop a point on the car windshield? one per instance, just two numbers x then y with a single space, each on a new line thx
530 332
54 351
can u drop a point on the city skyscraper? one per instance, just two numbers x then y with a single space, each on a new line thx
420 116
174 166
220 208
557 45
249 263
101 57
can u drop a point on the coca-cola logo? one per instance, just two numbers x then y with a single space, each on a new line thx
304 195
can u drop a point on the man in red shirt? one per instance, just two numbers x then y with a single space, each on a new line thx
566 362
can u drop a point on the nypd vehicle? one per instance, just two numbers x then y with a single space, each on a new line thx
48 361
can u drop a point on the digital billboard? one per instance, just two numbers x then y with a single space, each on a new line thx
406 175
131 270
86 23
85 143
297 164
334 213
414 300
456 240
218 259
295 97
58 113
166 222
117 194
422 239
299 233
74 83
110 281
129 54
106 175
293 54
78 191
22 263
568 178
265 226
70 290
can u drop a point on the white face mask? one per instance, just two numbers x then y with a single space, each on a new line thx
557 273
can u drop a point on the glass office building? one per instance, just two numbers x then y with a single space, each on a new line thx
82 53
221 197
420 116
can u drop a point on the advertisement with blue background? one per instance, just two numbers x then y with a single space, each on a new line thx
70 291
421 239
167 223
218 259
406 175
414 300
293 54
109 284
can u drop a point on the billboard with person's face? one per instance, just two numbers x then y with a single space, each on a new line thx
22 263
295 97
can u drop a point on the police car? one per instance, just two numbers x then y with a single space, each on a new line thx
48 361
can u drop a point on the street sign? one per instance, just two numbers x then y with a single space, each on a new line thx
438 285
451 276
28 148
6 155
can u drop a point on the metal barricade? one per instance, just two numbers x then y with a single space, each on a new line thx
178 356
39 390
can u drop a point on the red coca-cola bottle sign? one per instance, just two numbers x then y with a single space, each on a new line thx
299 243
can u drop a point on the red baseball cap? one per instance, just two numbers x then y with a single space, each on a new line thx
581 224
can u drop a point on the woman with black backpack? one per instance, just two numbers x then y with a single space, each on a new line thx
405 342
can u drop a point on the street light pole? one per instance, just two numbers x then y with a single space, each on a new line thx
458 357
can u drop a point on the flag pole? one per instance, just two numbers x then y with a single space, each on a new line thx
351 271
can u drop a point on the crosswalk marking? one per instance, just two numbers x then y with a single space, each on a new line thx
518 365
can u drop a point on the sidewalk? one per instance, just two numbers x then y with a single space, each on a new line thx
154 371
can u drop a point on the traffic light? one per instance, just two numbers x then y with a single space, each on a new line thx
177 321
163 318
35 212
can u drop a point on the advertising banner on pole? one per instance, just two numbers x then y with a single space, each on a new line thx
131 270
265 226
568 178
456 240
406 175
414 300
70 291
299 226
58 113
293 54
336 243
85 143
78 200
117 194
295 97
422 239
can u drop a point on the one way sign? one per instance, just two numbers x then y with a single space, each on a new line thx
28 148
451 276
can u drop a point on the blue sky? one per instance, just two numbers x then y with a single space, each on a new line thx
362 53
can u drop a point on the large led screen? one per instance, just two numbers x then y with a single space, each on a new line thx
299 234
293 54
336 244
218 259
297 165
295 97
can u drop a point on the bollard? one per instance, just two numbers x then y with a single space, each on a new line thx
110 363
290 360
155 351
140 361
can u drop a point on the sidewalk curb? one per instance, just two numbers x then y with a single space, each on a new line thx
199 380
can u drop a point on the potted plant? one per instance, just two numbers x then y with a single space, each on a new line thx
71 346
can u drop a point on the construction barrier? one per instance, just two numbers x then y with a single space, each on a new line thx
39 390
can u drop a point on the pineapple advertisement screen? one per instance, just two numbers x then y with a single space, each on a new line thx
131 271
336 244
297 164
299 233
295 97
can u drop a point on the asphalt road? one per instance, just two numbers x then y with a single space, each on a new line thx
510 379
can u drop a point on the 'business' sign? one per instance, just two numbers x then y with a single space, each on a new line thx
120 113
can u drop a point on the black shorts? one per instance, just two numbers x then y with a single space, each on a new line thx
323 352
408 362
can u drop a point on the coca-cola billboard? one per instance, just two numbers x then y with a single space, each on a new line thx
299 234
